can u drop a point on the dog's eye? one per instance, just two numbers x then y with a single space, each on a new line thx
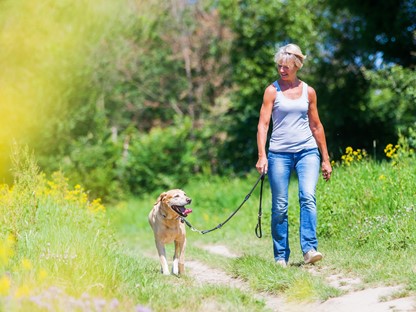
177 195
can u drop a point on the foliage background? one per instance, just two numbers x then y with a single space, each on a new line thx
133 95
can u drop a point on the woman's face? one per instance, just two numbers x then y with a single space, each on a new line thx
287 70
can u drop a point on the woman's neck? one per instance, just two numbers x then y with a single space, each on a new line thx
290 83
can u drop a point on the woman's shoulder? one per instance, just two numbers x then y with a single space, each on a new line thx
270 93
271 88
311 90
311 93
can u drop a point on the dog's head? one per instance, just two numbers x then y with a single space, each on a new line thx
176 200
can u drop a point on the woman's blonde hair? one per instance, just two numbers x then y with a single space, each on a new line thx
290 53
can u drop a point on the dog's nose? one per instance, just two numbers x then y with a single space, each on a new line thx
188 200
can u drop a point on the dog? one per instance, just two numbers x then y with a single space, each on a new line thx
165 218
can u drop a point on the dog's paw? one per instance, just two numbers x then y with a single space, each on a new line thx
164 271
175 267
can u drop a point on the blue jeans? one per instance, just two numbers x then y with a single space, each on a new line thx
306 164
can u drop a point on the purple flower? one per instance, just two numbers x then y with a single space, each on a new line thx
142 309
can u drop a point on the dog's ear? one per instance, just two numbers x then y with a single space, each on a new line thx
160 198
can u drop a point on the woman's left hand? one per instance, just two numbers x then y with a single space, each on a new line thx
326 170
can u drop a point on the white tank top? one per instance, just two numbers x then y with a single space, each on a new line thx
291 132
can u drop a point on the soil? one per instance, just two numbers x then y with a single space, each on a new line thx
357 299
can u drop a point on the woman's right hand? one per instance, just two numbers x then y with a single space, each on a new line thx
261 165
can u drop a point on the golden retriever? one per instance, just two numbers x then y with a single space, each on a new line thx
165 220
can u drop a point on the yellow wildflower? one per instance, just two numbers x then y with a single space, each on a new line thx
7 250
4 285
96 206
352 156
391 151
27 264
22 291
205 216
42 275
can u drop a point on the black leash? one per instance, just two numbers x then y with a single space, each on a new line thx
258 227
258 231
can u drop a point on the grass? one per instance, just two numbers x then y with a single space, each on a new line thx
61 251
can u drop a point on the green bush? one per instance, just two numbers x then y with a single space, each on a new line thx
163 158
95 163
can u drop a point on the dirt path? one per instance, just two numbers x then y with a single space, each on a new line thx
206 275
368 300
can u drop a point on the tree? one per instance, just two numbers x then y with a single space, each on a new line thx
367 36
343 39
259 28
369 30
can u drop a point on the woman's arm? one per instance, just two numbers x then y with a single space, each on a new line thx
263 127
318 133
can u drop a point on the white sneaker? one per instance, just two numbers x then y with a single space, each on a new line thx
281 263
312 256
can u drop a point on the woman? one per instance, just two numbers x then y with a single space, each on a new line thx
297 143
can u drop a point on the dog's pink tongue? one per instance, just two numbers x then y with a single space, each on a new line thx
187 211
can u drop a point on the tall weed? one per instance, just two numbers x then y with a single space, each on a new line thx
371 203
19 211
56 246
